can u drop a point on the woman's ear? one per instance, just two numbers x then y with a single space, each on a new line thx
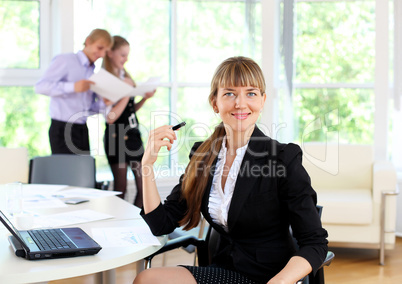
216 110
264 97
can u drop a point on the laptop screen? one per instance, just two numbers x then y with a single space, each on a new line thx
11 228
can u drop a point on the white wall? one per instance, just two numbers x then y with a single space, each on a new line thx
62 27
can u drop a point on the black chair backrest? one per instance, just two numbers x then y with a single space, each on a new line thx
212 240
73 170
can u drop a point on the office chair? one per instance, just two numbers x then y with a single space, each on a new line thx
208 245
199 232
73 170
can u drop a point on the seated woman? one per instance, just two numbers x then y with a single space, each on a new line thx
249 188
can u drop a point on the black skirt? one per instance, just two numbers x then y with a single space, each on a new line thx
217 275
122 145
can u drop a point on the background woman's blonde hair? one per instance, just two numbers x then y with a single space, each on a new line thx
118 42
233 72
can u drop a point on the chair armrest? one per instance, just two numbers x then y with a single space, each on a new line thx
183 241
384 179
328 259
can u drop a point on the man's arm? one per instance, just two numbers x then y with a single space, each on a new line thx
53 81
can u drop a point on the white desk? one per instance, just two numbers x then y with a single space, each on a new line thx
14 269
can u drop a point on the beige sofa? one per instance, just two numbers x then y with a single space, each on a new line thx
14 165
357 193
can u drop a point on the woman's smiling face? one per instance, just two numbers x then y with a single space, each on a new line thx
239 107
119 56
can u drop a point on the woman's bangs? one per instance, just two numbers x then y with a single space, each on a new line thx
239 76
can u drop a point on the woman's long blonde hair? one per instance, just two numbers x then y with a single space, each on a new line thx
233 72
118 42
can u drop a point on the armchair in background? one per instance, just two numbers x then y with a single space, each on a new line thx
357 192
13 165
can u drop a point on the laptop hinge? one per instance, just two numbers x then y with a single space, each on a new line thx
17 247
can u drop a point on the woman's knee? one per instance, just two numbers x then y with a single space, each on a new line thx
144 277
165 275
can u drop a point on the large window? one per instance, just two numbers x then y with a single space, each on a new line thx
182 41
19 37
333 69
333 97
24 118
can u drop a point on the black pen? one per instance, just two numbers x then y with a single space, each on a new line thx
178 126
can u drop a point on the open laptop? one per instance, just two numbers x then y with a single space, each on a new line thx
50 243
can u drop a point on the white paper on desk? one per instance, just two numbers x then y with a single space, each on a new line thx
124 236
69 218
40 202
112 88
87 193
31 191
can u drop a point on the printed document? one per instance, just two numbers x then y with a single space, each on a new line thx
69 218
112 88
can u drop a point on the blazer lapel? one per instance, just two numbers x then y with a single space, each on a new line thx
257 152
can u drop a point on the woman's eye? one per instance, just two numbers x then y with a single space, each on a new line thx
229 94
251 94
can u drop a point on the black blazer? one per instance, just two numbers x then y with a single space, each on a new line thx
272 191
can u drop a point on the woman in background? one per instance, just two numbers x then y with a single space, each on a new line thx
123 144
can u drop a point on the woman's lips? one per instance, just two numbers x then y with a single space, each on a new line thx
240 116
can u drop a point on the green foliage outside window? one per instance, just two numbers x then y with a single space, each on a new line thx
330 47
24 120
19 34
335 44
211 31
344 115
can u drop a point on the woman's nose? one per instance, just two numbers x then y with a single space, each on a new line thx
240 102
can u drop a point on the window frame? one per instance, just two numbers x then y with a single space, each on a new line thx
28 77
381 87
50 44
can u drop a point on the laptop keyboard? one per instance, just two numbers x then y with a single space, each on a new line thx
51 239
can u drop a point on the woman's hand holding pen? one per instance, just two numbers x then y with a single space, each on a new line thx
159 137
